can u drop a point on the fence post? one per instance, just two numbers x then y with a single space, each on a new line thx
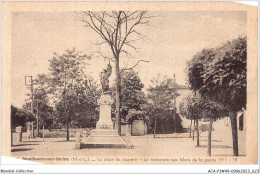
77 146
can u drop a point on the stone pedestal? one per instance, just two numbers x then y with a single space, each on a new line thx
104 135
105 121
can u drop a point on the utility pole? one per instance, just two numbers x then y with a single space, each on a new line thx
30 86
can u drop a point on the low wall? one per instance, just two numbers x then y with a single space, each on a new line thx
123 128
139 128
16 138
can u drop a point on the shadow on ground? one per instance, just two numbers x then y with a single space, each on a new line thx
31 141
23 149
212 140
172 137
230 155
24 145
214 146
64 141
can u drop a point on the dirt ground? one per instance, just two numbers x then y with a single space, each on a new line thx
144 146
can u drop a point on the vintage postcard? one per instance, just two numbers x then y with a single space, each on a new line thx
130 82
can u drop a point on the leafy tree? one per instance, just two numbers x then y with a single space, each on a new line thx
160 107
213 111
89 108
42 102
202 107
41 105
119 30
19 117
132 96
82 104
74 94
135 115
66 71
185 112
42 108
191 108
220 74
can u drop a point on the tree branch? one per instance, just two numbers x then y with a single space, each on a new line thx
103 56
125 69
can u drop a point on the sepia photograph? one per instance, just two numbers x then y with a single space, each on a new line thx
121 83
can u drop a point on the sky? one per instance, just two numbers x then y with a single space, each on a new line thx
172 40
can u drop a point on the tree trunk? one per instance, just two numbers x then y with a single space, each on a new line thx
190 126
193 130
198 132
209 137
154 130
233 118
43 132
175 122
67 121
37 124
67 126
32 129
118 98
65 106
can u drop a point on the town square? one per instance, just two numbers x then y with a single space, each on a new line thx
128 86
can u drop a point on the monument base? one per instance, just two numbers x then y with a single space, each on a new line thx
104 135
104 125
99 138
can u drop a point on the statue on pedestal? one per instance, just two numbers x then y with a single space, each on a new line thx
104 75
105 101
104 135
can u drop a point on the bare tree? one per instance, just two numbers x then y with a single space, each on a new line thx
119 30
